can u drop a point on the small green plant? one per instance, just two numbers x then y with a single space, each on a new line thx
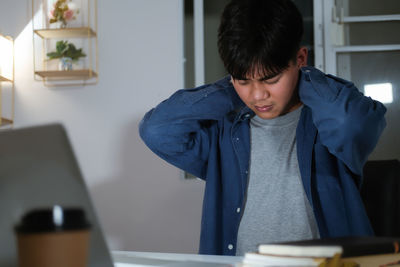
65 49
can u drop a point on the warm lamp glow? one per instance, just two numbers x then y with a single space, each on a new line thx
6 57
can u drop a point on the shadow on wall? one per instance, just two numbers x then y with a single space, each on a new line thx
147 206
14 16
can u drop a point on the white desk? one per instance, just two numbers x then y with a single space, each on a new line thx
141 259
146 259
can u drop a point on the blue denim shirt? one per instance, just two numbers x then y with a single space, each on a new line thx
205 131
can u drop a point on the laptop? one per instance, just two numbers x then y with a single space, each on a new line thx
38 169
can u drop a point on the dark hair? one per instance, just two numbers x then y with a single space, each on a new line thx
259 37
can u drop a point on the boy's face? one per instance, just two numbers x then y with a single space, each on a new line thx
270 97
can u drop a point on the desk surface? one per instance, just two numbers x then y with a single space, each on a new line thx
136 259
143 259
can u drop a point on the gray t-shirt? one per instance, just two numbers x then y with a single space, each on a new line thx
277 208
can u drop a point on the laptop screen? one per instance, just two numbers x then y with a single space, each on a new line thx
38 169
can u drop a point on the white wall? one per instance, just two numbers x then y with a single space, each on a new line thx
142 202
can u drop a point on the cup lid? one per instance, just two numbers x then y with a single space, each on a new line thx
53 219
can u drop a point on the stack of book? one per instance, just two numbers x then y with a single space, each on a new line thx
333 252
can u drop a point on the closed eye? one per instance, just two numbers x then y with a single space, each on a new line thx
272 80
243 82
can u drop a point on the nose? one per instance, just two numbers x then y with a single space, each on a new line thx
259 92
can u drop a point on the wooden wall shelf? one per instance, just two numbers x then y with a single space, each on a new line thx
4 79
84 32
68 74
5 122
80 32
7 87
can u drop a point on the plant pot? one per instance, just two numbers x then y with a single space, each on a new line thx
58 25
65 63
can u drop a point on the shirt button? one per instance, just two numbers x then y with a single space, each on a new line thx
230 246
238 210
237 139
245 116
247 172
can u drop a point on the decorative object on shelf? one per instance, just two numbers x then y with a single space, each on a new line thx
62 12
56 50
65 63
67 53
6 78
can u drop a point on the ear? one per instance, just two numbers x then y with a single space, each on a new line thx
301 57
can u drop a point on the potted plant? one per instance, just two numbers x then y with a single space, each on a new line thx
63 11
67 53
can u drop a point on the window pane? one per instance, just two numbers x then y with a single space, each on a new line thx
373 7
214 67
306 9
374 33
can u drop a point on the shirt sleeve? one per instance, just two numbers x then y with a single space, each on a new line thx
349 123
180 128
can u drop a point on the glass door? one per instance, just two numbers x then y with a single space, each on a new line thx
361 43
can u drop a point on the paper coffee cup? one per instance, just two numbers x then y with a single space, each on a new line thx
55 237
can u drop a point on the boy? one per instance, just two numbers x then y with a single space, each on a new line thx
281 146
